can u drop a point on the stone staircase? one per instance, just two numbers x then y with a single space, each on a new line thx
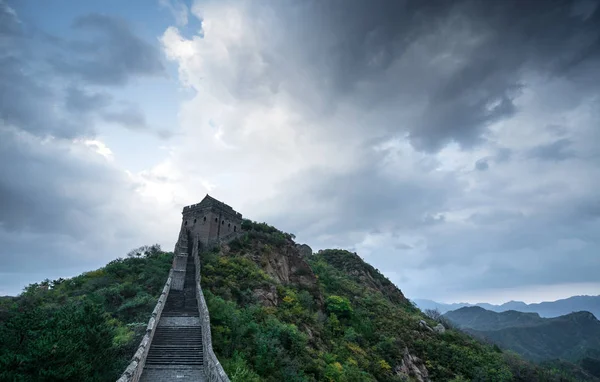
176 350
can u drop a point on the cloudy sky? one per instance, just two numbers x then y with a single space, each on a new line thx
454 145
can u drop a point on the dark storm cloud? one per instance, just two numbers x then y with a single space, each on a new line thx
78 100
460 64
370 198
29 104
57 195
482 165
112 55
555 151
42 189
30 94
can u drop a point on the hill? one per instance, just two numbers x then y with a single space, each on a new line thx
477 318
85 328
278 315
573 337
567 337
544 309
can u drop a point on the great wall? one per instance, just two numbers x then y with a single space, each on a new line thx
177 345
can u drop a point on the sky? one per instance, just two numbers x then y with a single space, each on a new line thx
454 145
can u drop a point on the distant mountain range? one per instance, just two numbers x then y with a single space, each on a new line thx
572 337
544 309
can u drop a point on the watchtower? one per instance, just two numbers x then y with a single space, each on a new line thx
211 220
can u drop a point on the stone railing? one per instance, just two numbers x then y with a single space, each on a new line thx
133 372
213 371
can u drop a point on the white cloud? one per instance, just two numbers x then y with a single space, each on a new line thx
100 148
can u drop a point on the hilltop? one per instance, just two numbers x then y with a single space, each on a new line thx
277 314
477 318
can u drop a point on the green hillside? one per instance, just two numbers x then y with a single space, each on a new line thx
573 337
567 337
85 328
277 316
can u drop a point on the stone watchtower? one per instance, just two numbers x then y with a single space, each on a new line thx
211 220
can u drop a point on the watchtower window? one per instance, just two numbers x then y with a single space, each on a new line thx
223 222
185 223
234 228
194 221
205 218
229 225
216 220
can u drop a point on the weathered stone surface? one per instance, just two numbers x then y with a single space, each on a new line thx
179 321
439 328
172 374
304 250
412 367
424 325
267 296
208 220
286 266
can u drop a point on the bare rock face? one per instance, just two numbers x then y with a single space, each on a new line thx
412 367
287 266
267 296
439 328
304 250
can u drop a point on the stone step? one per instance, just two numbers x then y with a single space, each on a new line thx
177 341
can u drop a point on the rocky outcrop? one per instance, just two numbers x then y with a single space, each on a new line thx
363 273
412 367
286 265
439 328
423 324
304 250
267 296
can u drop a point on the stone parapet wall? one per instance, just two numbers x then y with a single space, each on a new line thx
213 371
133 372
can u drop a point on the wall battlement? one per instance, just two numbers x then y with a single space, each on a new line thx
208 202
209 220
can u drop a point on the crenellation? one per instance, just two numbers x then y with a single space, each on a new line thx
210 220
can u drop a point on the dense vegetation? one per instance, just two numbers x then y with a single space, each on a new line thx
349 326
573 337
275 316
85 328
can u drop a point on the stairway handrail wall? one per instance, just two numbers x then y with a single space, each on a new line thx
133 372
213 370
